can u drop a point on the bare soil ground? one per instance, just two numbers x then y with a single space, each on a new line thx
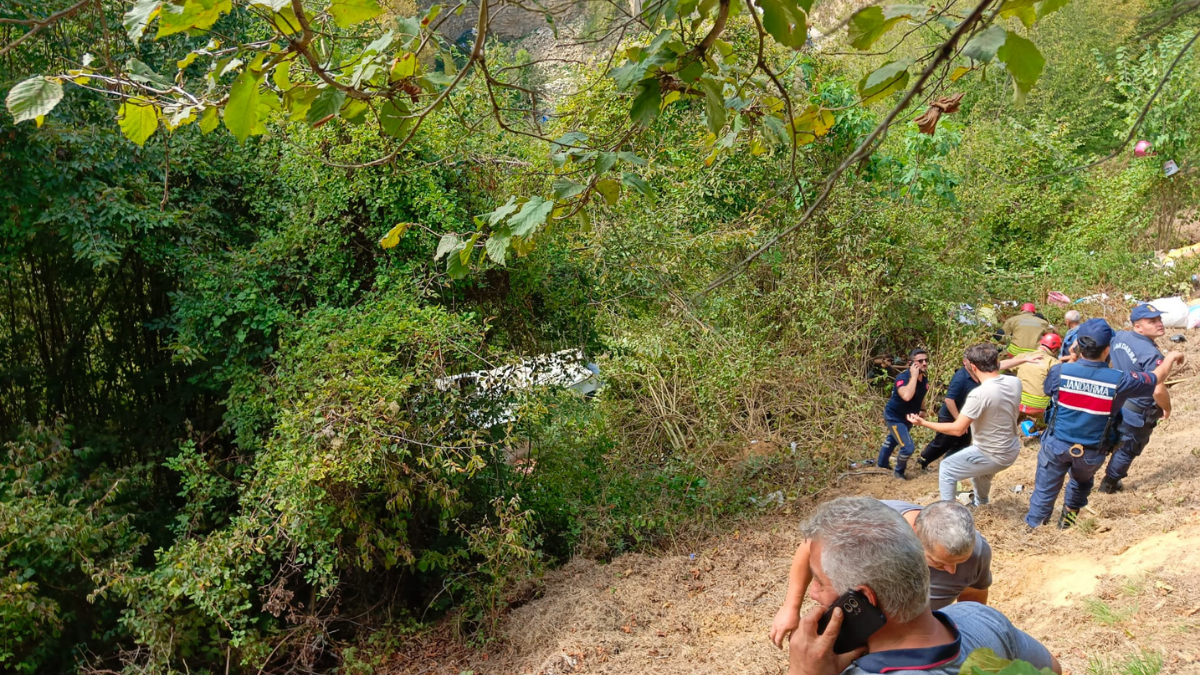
1122 586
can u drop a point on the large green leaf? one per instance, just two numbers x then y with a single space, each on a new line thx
493 218
646 102
785 21
33 98
868 25
192 14
497 245
138 120
394 119
531 216
1049 6
139 17
983 46
635 181
1023 61
328 102
887 79
448 243
609 189
714 104
565 188
915 12
241 111
349 12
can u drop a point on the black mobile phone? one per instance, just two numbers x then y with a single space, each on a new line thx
860 620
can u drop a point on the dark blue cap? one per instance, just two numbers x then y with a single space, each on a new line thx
1144 311
1098 330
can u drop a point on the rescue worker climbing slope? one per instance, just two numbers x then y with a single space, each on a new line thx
1024 330
1033 379
1086 398
1136 352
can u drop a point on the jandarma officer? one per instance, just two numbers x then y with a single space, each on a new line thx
1135 351
1086 398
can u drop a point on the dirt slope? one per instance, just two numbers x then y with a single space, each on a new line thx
1120 587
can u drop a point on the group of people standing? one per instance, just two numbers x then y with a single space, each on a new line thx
1094 392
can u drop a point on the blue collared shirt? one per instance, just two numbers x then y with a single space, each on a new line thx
1135 353
973 626
1068 340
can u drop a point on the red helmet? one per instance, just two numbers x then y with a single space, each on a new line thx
1028 307
1051 341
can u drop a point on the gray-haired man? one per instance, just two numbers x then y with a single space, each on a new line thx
958 557
861 543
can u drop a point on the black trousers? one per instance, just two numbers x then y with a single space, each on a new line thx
944 445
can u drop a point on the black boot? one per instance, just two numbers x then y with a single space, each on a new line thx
1067 518
901 466
1109 485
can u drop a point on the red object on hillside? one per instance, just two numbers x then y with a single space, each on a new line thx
1028 307
1143 149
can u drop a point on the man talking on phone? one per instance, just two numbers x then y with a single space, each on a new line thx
864 550
958 557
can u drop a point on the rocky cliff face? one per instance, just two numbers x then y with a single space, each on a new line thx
508 21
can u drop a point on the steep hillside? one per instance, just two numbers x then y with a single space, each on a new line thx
1121 587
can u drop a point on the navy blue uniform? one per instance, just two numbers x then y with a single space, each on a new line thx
944 444
1085 396
1140 414
895 416
1068 341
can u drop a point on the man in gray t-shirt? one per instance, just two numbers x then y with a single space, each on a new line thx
951 577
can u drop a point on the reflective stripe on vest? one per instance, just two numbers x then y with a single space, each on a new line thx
1084 403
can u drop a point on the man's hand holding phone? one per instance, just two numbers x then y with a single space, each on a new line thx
811 653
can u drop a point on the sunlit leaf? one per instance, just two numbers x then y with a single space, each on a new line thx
198 14
531 216
959 72
138 120
446 244
1049 6
868 25
392 238
785 22
887 79
33 98
1023 61
404 66
139 17
609 189
347 13
209 120
241 111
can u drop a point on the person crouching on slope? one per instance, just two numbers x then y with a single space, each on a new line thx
991 414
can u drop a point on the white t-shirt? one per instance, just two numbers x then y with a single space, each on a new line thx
994 405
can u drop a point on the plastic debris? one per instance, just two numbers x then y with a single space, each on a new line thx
1018 488
1057 298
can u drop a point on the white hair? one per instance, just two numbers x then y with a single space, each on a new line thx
1072 316
866 543
947 524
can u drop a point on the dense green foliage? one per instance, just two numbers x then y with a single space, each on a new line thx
225 444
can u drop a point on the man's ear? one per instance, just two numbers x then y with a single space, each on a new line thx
870 593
